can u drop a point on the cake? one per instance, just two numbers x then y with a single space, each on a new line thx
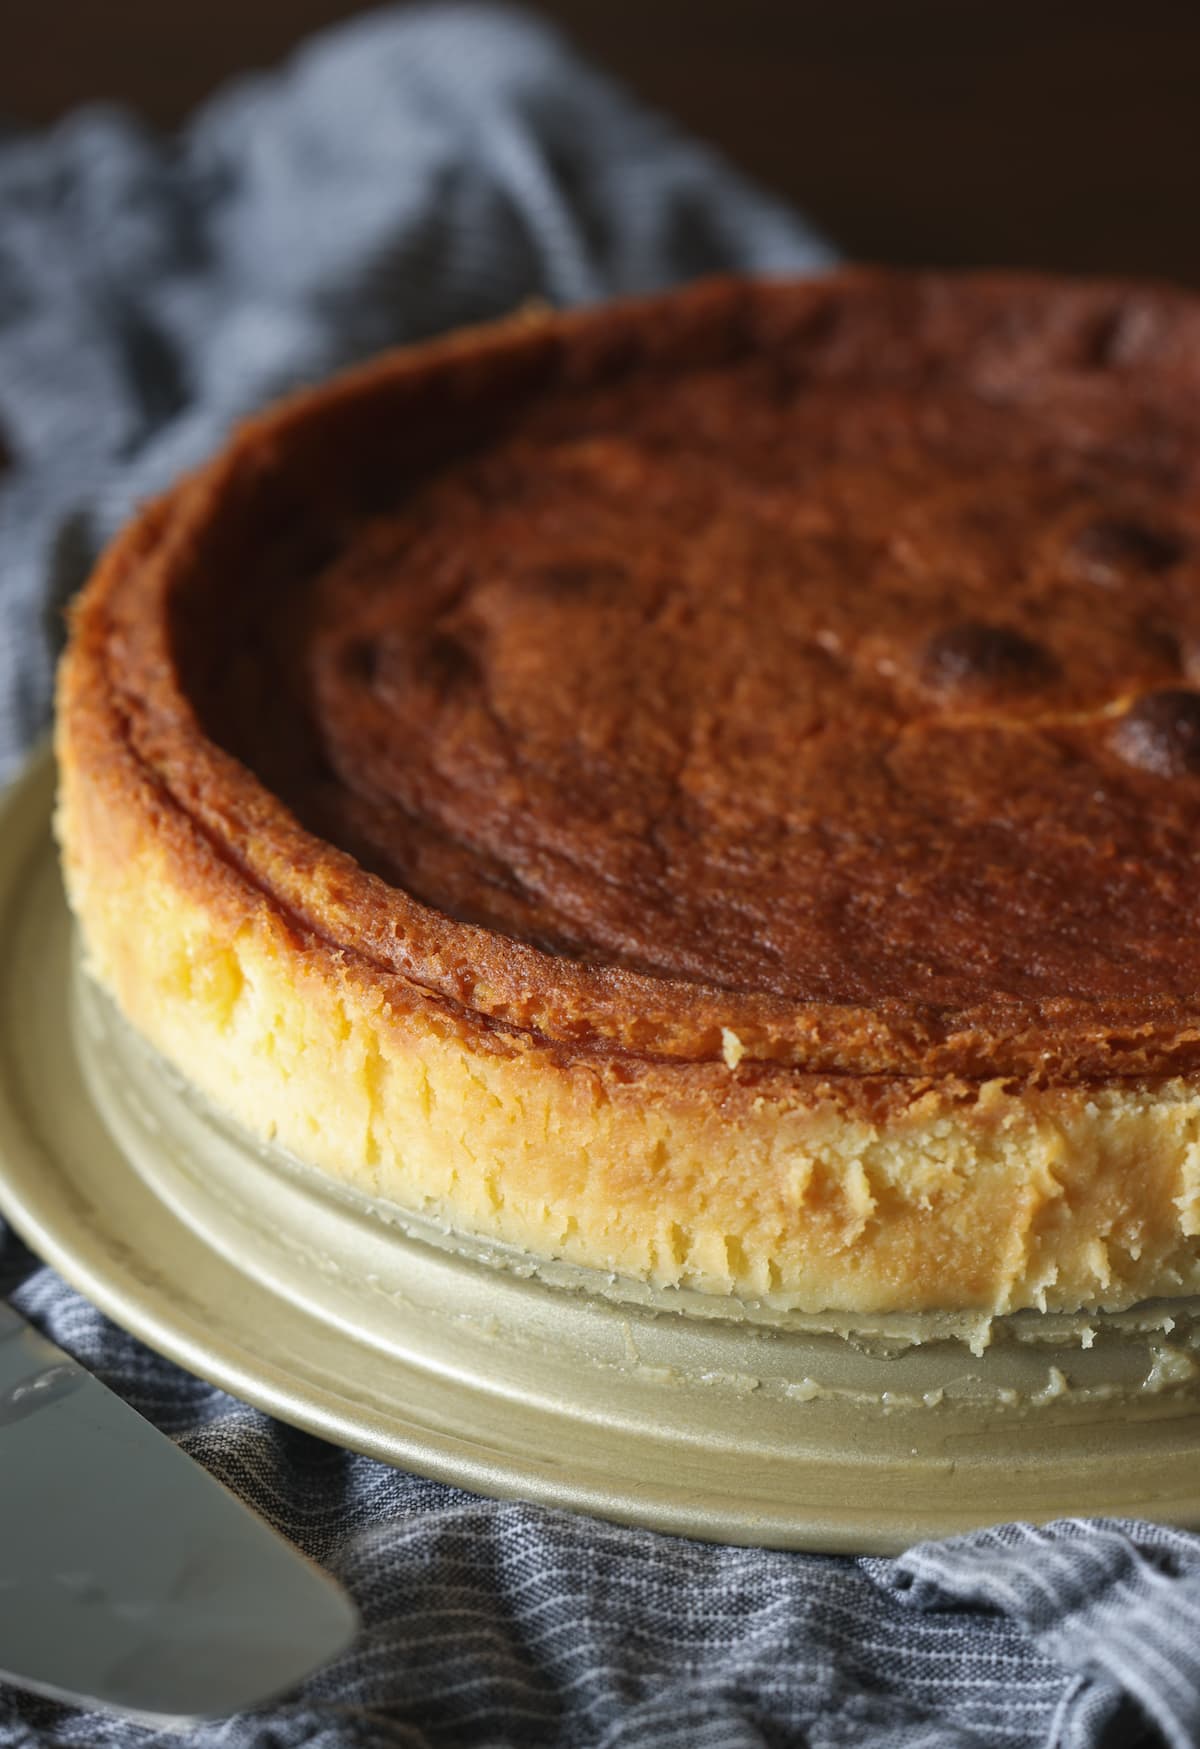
706 788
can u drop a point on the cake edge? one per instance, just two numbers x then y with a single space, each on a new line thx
846 1193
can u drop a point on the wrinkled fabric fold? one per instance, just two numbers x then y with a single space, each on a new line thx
1118 1603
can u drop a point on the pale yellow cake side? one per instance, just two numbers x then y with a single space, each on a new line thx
849 1196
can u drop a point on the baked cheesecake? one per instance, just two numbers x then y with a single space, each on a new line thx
706 788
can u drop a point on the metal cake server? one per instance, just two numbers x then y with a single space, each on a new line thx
129 1577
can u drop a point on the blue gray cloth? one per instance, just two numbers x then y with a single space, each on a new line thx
407 173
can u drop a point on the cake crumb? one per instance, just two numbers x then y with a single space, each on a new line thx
732 1048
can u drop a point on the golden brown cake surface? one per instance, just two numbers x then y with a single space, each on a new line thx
762 702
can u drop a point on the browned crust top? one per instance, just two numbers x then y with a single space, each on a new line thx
812 661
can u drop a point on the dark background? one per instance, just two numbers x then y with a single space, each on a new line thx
1058 133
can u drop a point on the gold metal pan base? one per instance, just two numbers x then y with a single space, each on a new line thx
728 1422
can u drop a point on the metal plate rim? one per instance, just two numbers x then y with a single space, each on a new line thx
43 1203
